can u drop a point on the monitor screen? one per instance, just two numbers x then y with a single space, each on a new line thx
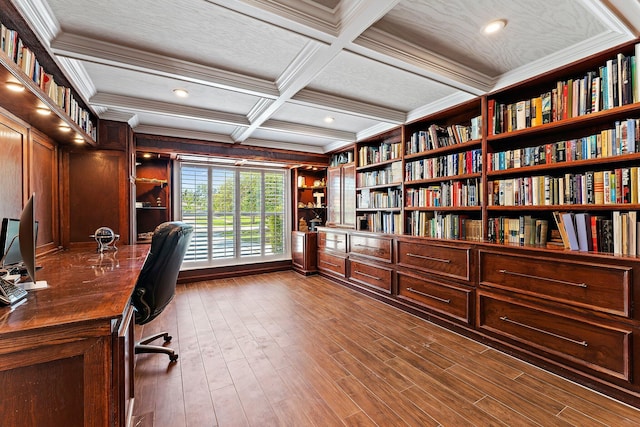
9 241
27 237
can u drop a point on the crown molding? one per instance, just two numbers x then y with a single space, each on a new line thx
297 67
130 103
80 78
607 15
336 145
258 108
40 18
374 130
182 133
439 105
389 49
301 129
628 12
118 116
351 107
87 49
572 53
295 16
255 142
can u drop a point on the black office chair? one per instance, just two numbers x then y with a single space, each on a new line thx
156 284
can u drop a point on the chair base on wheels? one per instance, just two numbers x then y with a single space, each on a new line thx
143 346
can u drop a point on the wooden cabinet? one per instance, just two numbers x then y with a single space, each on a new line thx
153 195
587 344
309 197
341 187
304 251
332 252
434 294
589 284
371 274
437 257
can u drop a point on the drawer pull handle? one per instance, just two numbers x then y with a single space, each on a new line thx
367 275
542 331
548 279
446 301
329 263
446 261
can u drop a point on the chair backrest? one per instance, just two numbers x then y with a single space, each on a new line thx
156 284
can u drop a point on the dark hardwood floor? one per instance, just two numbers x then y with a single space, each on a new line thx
280 349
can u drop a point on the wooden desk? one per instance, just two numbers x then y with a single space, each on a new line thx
66 352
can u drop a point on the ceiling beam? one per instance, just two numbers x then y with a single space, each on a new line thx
359 16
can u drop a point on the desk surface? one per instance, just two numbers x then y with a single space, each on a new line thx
83 285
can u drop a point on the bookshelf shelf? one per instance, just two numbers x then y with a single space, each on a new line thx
378 165
477 143
24 60
443 179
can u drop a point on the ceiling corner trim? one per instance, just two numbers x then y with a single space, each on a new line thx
609 18
439 105
386 48
40 18
575 52
182 133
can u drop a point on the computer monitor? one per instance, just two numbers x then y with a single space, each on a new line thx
27 236
9 242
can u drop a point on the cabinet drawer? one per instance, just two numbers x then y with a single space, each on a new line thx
439 259
598 287
332 263
376 276
454 301
581 342
371 246
333 240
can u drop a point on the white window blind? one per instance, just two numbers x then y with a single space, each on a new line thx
239 214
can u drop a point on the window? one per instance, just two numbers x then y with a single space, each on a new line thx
239 213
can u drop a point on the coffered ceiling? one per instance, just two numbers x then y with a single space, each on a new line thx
269 73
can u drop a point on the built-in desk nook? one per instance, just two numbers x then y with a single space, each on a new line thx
66 351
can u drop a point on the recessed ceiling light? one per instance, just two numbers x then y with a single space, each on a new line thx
14 86
147 155
43 111
494 26
78 139
64 128
182 93
329 119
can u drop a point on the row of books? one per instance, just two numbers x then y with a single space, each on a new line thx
617 186
623 139
392 174
584 232
450 194
525 230
369 155
463 163
438 136
13 47
614 84
383 222
374 199
444 226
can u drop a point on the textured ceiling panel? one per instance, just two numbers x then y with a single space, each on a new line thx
140 85
186 29
156 120
453 28
316 117
356 77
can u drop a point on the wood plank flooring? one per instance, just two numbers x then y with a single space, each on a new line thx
280 349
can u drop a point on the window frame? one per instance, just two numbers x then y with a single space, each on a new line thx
238 259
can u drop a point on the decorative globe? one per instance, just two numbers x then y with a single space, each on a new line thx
105 237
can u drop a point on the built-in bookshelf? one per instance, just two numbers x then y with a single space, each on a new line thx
379 175
443 174
562 154
52 105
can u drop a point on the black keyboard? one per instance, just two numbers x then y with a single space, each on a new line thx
10 293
